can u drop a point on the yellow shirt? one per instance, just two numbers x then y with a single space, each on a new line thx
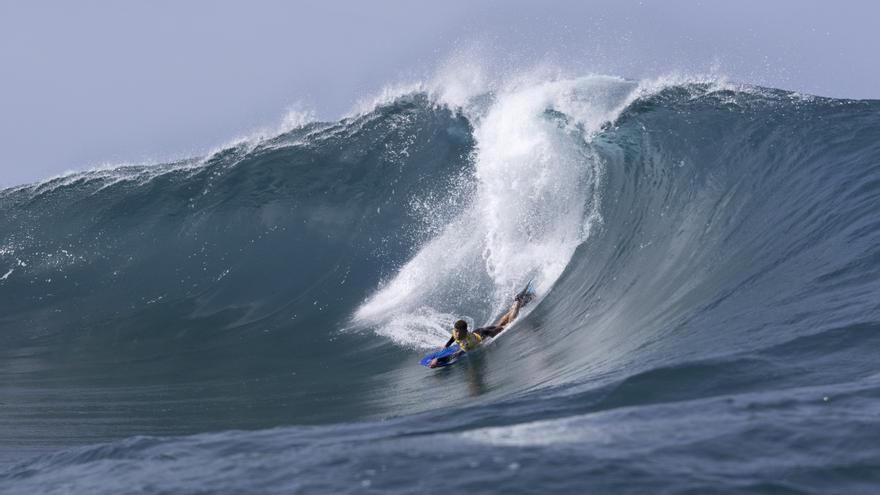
470 342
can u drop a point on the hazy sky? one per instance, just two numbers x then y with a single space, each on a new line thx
87 83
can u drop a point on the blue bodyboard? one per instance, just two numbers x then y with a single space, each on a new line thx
441 354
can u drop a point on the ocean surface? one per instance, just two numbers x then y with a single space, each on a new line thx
706 256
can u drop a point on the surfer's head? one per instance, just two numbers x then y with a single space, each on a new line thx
460 328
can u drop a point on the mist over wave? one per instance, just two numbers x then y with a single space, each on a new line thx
705 255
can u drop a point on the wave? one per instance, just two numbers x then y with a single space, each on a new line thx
705 256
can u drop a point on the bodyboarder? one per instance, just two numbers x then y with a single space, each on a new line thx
468 341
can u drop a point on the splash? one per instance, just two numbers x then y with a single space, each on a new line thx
535 198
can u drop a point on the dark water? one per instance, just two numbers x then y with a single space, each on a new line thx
707 258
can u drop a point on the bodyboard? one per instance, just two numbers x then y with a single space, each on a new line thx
426 361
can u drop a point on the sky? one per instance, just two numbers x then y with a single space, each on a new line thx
95 83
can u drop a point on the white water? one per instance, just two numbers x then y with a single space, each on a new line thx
536 198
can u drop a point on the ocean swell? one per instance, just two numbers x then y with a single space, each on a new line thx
706 257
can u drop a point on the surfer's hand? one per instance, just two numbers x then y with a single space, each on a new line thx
433 363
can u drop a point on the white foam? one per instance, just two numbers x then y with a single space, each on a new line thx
388 94
536 197
297 116
577 430
616 428
463 76
454 84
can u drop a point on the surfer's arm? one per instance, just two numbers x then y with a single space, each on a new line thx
449 342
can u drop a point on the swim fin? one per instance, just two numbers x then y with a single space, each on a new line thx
526 295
